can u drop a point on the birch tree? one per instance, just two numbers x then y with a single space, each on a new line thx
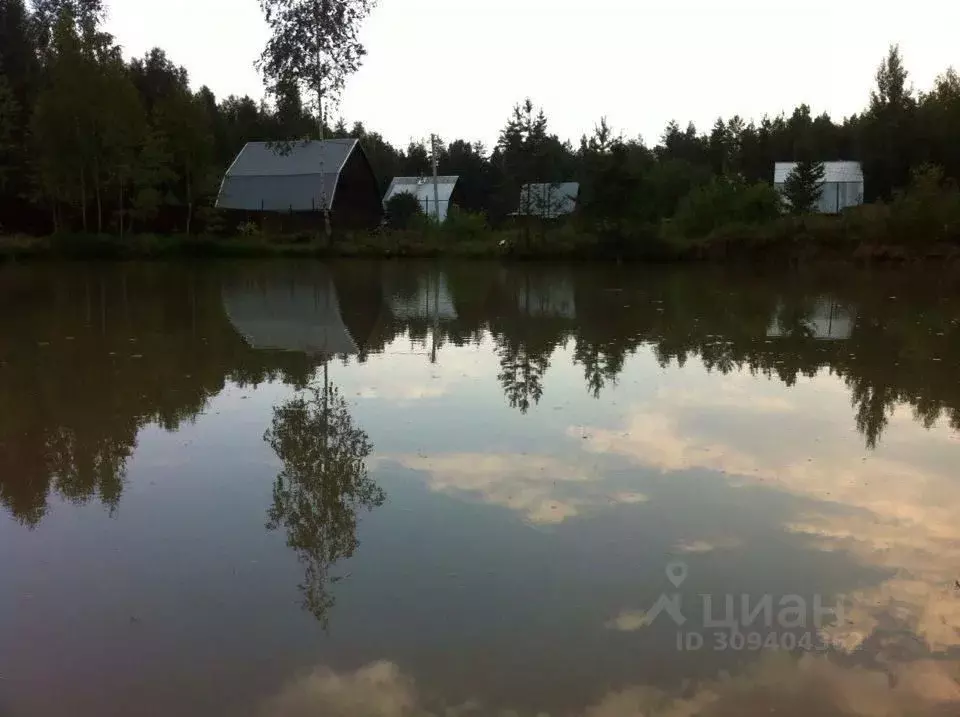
314 44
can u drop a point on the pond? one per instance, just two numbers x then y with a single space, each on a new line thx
390 489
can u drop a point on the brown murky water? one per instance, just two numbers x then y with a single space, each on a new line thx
403 489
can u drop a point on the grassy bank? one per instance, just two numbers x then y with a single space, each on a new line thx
922 225
787 241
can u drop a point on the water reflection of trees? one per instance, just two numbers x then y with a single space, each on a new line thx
532 313
322 487
893 339
89 357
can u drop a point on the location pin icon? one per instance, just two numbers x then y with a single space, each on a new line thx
677 573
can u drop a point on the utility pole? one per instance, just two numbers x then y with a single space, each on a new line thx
436 188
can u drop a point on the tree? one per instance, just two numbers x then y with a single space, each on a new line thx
322 487
156 77
401 210
522 144
62 120
121 125
86 14
415 162
153 173
314 45
292 122
469 162
891 89
721 147
184 123
803 187
938 118
888 134
9 124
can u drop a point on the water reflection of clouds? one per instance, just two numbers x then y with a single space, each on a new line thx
777 684
895 509
398 375
544 489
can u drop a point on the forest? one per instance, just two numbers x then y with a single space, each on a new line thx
94 143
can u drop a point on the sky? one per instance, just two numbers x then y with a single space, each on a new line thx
457 67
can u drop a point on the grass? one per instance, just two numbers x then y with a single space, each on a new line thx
866 234
414 244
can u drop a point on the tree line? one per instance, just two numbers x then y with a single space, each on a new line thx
93 142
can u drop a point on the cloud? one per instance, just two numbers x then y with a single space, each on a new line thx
656 440
895 509
376 690
628 621
544 489
630 498
403 391
777 683
703 546
399 375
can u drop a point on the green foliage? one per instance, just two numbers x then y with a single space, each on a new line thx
248 229
725 201
928 211
526 153
465 225
153 173
314 44
9 121
401 209
803 187
182 119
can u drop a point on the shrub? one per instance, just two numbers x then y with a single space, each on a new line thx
867 223
928 211
402 209
461 224
724 201
248 229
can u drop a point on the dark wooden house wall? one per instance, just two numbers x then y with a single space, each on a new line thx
357 202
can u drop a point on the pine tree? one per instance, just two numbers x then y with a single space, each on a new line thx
803 187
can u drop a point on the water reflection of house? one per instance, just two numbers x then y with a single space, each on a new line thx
553 297
301 311
827 320
430 299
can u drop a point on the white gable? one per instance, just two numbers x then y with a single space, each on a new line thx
832 172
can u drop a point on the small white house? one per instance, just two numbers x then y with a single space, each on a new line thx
842 184
423 189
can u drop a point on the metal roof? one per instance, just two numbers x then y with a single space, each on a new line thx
549 200
832 172
422 187
299 177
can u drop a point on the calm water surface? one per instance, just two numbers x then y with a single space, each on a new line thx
404 489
